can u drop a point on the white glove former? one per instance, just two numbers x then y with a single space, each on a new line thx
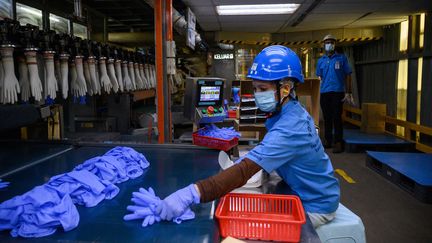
104 79
126 79
147 74
93 77
87 77
50 80
35 82
80 81
119 76
143 77
132 75
11 87
24 80
138 79
57 71
348 99
73 79
112 75
64 85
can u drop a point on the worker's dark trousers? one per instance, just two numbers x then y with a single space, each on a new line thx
331 105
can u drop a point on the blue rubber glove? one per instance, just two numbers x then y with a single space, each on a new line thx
146 203
178 203
4 184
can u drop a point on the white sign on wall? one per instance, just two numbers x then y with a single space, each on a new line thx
223 56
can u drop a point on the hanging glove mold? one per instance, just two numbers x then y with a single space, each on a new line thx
80 76
132 75
24 80
143 77
73 79
35 82
112 75
94 80
126 79
104 79
50 80
57 72
87 77
119 76
64 74
138 78
11 87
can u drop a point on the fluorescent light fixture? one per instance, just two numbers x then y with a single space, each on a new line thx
255 9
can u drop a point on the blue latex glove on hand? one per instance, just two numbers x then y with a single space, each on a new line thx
178 203
4 184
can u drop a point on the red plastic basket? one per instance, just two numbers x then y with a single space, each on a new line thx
261 216
215 143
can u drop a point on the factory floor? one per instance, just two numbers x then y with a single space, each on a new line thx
388 213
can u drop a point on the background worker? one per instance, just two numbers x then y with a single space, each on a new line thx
335 74
291 146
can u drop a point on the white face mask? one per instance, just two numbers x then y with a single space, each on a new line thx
329 47
266 100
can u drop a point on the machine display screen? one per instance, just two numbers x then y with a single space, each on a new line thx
210 93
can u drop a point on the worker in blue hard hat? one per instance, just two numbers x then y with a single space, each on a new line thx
291 146
335 73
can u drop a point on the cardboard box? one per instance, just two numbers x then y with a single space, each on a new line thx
373 117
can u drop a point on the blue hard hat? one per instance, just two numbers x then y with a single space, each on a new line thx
275 63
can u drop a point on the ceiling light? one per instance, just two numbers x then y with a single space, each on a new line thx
254 9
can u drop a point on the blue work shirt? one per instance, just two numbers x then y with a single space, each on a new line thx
333 70
293 148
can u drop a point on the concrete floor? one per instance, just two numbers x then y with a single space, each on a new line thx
388 213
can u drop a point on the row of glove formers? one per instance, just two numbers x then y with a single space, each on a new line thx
49 64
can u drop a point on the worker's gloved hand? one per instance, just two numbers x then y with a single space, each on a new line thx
4 184
178 203
348 99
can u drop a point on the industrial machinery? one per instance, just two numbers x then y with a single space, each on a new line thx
205 99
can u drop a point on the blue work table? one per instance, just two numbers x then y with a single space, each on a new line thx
171 167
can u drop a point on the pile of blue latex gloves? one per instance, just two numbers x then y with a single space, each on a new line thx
150 208
40 211
212 130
